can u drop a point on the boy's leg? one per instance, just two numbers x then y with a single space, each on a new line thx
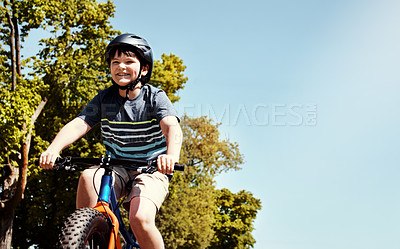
142 219
146 197
86 195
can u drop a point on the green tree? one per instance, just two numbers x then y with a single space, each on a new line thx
65 62
19 108
168 75
233 220
186 218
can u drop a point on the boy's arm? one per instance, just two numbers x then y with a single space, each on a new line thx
173 134
67 135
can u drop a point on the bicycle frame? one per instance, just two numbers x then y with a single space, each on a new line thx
107 204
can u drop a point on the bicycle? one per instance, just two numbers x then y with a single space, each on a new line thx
99 227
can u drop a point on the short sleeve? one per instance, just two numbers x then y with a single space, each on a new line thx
91 114
163 106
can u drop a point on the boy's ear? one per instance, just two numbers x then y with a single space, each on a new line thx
145 70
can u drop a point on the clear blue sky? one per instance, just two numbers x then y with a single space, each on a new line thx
310 91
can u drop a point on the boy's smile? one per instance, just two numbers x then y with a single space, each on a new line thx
121 76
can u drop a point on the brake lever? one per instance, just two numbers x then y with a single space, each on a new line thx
65 164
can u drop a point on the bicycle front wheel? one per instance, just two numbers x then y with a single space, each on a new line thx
85 228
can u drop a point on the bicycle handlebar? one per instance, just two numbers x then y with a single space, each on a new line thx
68 163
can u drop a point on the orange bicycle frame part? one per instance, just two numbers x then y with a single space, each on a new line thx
103 207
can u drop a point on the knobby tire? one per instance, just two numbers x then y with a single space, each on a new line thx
85 228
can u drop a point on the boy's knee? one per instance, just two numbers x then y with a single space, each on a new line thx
87 175
140 219
141 215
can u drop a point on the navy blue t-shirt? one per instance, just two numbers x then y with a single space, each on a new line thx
130 128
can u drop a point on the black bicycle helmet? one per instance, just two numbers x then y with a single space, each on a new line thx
141 47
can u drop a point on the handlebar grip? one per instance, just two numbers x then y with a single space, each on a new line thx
179 167
58 160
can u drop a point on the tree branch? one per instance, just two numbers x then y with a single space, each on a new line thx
12 49
17 46
23 167
38 110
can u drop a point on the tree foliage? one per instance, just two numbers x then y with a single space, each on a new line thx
168 75
204 149
185 219
55 74
234 218
191 216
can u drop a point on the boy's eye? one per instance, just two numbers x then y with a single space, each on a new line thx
131 60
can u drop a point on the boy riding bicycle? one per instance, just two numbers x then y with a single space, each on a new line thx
137 121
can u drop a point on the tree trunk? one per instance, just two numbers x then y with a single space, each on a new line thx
12 50
17 46
6 212
14 187
6 222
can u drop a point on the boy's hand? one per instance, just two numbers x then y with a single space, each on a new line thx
47 159
165 163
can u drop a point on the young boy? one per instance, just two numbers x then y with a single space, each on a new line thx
137 121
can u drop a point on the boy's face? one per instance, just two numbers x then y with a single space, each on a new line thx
125 68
